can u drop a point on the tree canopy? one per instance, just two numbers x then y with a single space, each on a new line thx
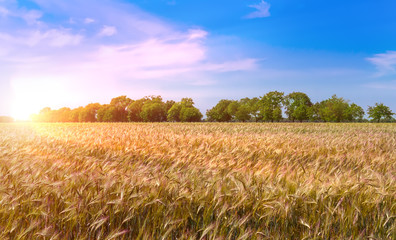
297 106
184 111
270 106
273 106
380 112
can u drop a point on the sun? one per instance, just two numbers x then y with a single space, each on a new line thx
32 95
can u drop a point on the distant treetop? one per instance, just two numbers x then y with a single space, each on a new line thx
271 107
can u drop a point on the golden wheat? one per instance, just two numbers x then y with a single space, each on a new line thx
197 181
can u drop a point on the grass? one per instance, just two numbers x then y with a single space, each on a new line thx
198 181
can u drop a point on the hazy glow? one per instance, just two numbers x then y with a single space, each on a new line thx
64 54
31 95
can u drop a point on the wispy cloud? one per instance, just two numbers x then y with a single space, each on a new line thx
32 17
143 52
384 62
3 11
50 38
197 34
89 20
108 31
262 10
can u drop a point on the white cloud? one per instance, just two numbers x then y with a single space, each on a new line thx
148 52
3 11
108 31
31 17
60 38
125 17
197 34
262 10
89 20
384 62
52 38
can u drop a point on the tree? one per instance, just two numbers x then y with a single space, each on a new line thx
270 106
232 108
240 110
190 114
89 112
174 113
254 108
63 115
243 113
75 114
134 109
297 106
46 115
380 112
334 109
313 113
184 111
169 104
106 113
120 104
153 110
219 112
355 113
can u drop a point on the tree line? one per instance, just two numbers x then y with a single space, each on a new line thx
124 109
296 106
272 107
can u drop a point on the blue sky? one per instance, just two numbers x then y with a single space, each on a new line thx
71 53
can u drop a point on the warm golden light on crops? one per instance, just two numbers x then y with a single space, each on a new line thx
197 181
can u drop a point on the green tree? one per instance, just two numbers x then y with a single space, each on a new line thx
89 112
174 113
254 108
184 111
106 113
232 108
243 113
271 106
120 104
313 113
297 106
355 113
134 109
190 114
379 112
153 110
219 112
169 104
334 109
240 110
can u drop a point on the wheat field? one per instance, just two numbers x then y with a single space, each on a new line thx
198 181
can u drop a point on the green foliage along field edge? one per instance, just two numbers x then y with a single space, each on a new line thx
272 107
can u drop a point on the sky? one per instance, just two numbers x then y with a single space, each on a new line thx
71 53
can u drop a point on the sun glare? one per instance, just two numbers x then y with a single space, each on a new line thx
30 96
